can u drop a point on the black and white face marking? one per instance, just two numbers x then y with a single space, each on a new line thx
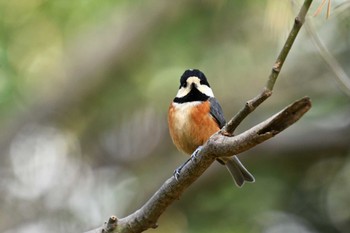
194 86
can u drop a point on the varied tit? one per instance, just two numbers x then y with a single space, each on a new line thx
194 116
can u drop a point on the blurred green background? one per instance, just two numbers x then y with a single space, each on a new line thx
84 91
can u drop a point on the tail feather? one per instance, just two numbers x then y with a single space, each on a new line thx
237 170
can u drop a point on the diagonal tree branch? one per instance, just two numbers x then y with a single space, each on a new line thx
252 104
219 145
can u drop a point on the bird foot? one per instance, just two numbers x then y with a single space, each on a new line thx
193 157
177 172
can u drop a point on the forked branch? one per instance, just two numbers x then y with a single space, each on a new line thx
252 104
219 145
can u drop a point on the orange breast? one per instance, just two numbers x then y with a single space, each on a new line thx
191 125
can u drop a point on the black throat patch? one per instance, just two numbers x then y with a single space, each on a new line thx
193 95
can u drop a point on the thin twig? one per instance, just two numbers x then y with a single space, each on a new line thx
219 145
319 8
341 77
252 104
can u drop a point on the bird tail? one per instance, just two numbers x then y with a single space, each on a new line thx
239 173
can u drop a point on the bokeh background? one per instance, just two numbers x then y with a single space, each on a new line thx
84 91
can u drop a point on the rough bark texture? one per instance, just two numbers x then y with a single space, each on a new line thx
221 144
218 145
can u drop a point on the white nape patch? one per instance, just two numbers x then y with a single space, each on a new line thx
206 90
183 91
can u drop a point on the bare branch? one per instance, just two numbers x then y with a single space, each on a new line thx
252 104
217 146
228 146
249 107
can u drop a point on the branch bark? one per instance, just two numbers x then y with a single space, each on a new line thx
252 104
217 146
220 144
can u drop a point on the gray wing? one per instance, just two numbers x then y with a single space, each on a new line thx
216 112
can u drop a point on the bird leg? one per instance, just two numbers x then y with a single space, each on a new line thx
194 155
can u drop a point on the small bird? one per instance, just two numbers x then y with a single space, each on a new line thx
194 116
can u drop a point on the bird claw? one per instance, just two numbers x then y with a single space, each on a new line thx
176 173
195 153
193 157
